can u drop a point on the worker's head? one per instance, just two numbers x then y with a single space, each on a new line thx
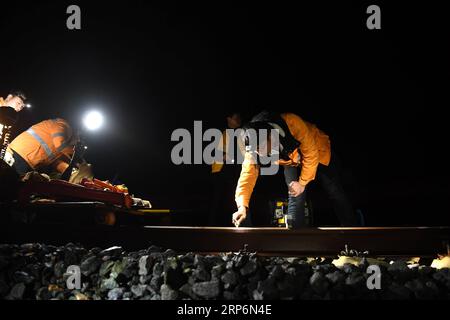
16 101
258 138
71 134
262 142
276 137
234 120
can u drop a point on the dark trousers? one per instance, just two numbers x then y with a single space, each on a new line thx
20 164
328 178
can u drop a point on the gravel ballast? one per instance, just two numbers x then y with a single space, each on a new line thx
39 271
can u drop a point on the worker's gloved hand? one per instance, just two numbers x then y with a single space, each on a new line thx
296 189
239 216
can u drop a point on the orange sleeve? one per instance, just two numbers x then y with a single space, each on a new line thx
60 165
247 181
308 147
62 140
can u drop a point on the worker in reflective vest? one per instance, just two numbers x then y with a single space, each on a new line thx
305 153
45 147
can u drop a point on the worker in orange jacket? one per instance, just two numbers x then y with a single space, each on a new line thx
45 147
305 154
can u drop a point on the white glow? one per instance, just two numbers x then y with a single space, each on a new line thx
28 105
93 120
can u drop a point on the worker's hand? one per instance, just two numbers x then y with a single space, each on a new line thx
296 189
239 216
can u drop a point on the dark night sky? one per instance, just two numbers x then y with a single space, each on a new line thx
154 67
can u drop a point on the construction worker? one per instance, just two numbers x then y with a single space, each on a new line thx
305 153
9 108
46 147
225 173
13 100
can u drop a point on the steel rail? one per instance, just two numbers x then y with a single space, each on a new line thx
390 241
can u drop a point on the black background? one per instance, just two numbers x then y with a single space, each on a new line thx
152 67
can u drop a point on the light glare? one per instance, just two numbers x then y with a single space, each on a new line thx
93 120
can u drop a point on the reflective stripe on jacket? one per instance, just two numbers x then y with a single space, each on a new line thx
48 143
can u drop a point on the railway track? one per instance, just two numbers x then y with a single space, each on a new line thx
61 223
393 241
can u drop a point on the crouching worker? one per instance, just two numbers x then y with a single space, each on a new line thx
46 147
305 153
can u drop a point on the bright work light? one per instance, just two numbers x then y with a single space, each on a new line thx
93 120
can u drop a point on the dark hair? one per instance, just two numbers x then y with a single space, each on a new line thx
266 120
19 94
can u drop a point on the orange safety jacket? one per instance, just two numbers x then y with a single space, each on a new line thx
314 148
49 143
